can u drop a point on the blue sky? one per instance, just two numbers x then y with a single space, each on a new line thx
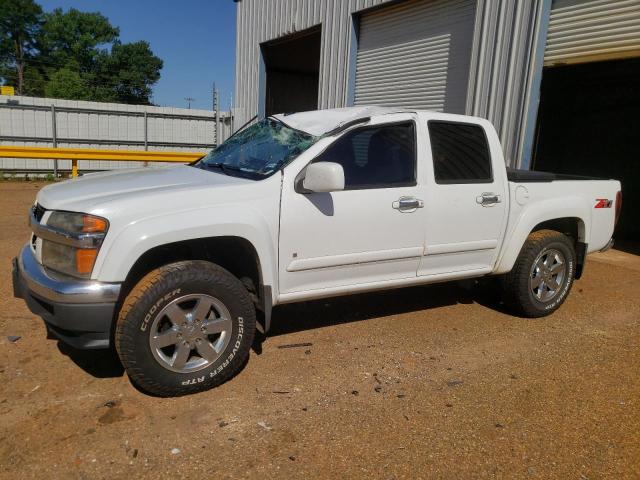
194 38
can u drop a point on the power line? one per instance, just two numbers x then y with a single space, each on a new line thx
88 81
112 82
86 78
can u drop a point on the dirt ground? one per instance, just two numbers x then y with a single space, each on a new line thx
429 382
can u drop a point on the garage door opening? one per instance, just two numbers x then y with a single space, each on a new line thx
292 67
415 54
588 125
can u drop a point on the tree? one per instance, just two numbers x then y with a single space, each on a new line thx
86 43
73 54
74 38
66 83
129 71
20 22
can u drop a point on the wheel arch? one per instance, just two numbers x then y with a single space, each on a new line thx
571 218
233 253
575 229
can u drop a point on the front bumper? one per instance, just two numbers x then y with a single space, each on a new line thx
78 312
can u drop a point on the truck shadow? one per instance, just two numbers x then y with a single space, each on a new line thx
314 314
309 315
627 246
97 363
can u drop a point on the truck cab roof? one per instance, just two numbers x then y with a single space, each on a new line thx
333 120
321 122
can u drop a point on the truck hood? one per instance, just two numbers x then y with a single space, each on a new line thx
94 191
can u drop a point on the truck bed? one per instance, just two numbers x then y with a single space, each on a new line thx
526 176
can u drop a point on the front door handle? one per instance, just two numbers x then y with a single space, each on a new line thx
407 204
488 199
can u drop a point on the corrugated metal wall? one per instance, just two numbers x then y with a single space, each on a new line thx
28 121
502 76
505 71
592 30
416 54
260 20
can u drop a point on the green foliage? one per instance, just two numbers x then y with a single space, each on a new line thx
131 68
20 23
74 55
75 38
33 80
67 83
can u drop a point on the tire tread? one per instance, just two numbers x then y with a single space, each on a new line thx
154 284
516 282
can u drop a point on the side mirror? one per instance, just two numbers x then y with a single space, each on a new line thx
324 177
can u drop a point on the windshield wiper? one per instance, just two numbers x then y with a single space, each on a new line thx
219 165
225 168
231 168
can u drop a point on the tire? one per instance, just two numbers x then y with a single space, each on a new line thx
542 276
185 327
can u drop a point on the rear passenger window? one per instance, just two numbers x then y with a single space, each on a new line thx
460 153
375 157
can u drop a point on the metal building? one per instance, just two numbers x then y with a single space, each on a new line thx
558 78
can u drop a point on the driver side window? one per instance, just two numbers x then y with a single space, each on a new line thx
382 156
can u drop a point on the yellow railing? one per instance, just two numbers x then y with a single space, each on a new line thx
75 154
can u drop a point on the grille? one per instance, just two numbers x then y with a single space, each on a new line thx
38 211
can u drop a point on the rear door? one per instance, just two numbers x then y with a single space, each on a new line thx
466 203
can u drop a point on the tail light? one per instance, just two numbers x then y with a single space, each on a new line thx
618 206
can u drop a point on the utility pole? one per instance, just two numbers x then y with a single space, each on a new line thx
54 138
189 100
231 111
216 108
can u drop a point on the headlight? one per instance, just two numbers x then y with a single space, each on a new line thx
77 223
72 243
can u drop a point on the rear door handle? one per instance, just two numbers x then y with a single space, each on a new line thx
488 199
407 204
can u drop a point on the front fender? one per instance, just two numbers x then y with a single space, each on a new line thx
120 252
533 214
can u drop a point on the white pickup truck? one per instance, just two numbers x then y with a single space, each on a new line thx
171 265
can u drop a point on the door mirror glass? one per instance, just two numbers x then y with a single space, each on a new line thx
324 177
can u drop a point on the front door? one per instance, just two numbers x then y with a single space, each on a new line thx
373 231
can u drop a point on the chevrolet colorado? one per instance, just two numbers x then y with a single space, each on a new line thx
170 265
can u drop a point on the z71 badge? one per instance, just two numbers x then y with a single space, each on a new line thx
603 203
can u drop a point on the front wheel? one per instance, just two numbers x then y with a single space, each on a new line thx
184 328
542 275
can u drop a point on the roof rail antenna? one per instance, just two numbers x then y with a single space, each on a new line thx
344 126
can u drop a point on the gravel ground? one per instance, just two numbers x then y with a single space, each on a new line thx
429 382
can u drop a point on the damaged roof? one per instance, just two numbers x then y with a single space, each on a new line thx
321 122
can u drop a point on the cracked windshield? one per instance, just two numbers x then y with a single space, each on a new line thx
259 150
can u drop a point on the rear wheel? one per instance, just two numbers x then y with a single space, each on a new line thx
184 328
542 275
